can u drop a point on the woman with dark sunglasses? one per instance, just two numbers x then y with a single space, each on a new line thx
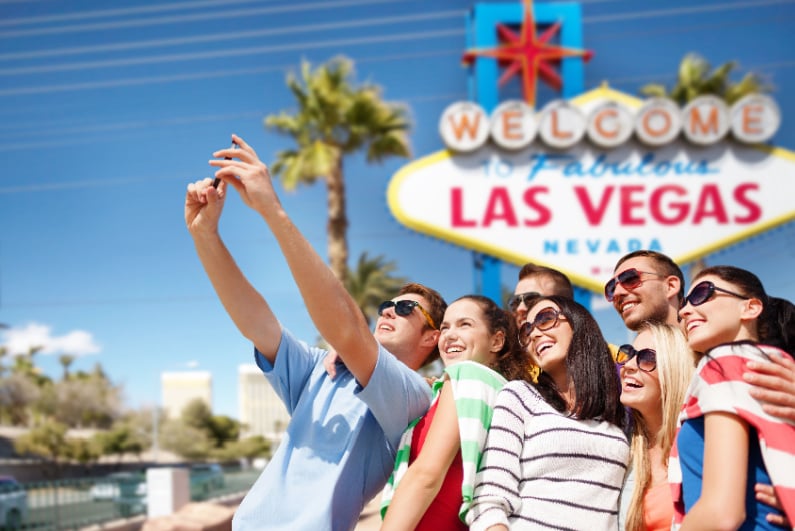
726 441
653 387
434 476
556 453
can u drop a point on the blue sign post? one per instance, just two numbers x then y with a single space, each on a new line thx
483 87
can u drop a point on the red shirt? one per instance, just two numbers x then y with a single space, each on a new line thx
442 513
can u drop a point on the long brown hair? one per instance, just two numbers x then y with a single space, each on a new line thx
590 368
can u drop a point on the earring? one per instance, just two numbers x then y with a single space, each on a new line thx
534 371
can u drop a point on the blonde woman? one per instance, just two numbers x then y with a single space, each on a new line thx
655 373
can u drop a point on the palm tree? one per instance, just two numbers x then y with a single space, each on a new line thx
695 79
335 117
23 364
66 361
371 283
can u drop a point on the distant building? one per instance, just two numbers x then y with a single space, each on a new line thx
261 411
179 388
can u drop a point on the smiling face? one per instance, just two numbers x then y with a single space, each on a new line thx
719 319
640 390
531 284
465 335
549 348
653 300
403 336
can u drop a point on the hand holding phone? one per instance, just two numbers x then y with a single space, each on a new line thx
217 180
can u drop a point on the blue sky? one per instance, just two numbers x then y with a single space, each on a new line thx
108 110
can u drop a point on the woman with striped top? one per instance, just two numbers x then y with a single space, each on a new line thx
727 441
556 453
434 476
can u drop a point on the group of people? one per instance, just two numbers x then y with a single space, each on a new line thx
536 421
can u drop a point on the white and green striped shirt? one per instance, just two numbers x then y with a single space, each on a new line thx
475 389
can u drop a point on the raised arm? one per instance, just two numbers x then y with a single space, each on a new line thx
246 307
334 313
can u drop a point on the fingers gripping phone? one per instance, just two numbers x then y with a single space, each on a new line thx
217 180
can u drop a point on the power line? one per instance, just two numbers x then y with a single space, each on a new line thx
101 13
44 89
288 47
239 52
725 6
679 29
236 35
181 19
69 132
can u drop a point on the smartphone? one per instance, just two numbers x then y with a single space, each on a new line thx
217 180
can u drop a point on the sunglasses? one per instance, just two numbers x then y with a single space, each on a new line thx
519 298
629 279
404 308
646 358
703 291
544 320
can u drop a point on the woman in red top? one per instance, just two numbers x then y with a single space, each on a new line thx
429 497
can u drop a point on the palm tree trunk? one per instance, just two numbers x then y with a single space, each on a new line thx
337 222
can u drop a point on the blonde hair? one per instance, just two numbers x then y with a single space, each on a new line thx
675 367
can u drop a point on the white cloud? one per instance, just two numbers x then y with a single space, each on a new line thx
75 343
192 364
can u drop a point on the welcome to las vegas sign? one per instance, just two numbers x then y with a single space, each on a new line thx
580 205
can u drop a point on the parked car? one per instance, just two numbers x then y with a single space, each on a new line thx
13 503
119 484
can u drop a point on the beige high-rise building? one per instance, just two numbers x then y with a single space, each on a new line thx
261 411
179 388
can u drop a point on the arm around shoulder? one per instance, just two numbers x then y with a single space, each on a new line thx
773 383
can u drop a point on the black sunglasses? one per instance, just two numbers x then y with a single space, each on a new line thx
404 307
629 279
544 320
646 357
519 298
703 291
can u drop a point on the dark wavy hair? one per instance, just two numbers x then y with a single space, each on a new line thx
775 326
590 366
512 361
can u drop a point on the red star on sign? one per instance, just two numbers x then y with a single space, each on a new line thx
526 53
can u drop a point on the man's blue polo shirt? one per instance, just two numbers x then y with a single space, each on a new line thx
340 444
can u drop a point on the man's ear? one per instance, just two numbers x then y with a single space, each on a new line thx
497 341
430 338
673 286
753 309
